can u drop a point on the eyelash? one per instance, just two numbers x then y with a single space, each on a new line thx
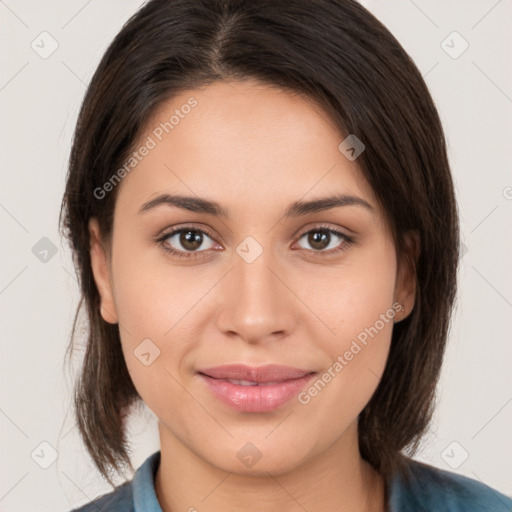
347 241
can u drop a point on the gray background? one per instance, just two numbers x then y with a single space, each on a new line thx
39 101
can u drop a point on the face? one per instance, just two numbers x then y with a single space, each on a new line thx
262 281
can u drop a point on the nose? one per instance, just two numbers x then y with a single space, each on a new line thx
258 304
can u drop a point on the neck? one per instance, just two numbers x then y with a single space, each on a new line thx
338 479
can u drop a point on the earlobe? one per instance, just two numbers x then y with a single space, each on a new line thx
101 273
406 282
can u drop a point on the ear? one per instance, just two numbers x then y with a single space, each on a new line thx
101 272
406 280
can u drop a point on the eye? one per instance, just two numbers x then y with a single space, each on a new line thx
322 238
189 242
185 242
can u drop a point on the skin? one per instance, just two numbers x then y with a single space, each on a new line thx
255 149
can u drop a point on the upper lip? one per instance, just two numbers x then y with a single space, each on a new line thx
266 373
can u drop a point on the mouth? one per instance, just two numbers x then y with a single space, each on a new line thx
255 389
252 383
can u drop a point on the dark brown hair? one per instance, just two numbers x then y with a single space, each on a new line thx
341 56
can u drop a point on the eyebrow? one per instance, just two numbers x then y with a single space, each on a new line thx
296 209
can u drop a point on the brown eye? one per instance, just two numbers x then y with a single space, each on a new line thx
190 240
187 240
320 239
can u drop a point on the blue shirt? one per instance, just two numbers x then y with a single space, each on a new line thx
430 490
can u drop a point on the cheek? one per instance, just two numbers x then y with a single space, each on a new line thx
162 311
152 296
356 353
351 297
357 304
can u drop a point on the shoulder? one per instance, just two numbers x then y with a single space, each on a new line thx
136 494
120 499
428 488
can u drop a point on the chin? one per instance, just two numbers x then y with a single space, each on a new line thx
253 459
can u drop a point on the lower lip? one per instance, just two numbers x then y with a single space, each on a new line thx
262 398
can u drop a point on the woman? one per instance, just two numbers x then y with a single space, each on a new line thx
263 220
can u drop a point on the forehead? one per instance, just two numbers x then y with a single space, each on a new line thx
241 143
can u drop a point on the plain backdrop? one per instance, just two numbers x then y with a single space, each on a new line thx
40 95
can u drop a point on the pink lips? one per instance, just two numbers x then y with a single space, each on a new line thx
255 389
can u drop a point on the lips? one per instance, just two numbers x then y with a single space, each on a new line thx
257 374
255 389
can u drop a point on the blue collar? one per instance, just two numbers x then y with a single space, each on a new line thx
144 494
